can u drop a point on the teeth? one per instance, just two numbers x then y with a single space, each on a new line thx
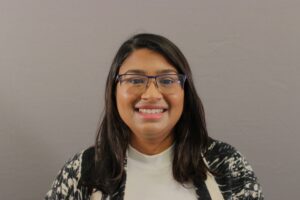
151 111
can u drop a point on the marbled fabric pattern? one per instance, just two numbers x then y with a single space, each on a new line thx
66 182
234 177
237 180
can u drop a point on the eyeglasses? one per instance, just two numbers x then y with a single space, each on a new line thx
138 83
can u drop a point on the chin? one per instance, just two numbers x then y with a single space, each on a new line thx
150 132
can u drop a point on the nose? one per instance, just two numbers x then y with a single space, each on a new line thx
151 91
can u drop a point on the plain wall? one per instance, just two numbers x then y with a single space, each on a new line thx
55 55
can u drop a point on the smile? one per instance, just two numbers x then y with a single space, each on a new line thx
151 111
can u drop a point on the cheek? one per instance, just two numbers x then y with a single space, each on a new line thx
177 103
124 101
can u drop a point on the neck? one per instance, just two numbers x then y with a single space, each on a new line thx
151 147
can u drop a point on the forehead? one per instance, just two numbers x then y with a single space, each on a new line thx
145 61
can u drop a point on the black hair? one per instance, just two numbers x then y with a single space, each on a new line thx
190 135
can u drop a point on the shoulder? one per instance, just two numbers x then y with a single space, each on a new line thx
224 159
233 173
67 181
218 150
77 164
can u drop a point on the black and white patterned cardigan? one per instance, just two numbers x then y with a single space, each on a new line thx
237 182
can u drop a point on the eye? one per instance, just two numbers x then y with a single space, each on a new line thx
167 80
135 80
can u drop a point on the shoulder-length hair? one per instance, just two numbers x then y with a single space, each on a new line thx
191 138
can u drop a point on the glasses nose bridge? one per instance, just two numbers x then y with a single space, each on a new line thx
151 91
149 81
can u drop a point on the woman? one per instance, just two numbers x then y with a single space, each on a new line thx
153 142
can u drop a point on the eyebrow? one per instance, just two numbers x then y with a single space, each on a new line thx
134 71
138 71
165 71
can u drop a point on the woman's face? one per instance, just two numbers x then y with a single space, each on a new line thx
150 114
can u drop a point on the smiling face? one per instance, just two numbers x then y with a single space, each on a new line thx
150 114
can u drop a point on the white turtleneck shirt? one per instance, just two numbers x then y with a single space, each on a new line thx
150 177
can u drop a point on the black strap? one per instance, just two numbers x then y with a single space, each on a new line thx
201 190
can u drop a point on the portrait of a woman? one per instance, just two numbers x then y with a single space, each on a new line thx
153 142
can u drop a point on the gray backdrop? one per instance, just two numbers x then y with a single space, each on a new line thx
55 55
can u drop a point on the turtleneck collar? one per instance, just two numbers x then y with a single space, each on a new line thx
162 159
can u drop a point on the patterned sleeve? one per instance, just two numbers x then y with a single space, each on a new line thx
235 176
64 186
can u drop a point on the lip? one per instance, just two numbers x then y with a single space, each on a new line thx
150 116
151 107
